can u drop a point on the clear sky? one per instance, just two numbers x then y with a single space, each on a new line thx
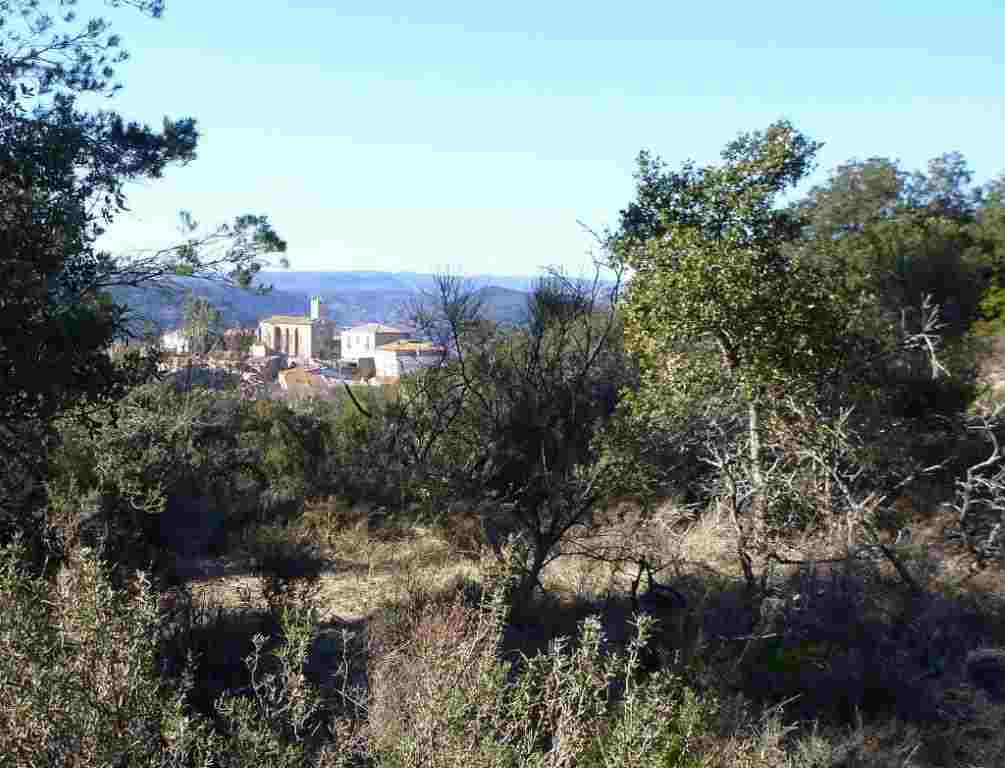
433 134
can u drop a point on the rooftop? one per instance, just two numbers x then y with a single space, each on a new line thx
411 345
297 376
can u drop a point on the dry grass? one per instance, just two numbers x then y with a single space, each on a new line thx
368 566
670 537
383 570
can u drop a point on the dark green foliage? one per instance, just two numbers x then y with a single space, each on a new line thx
899 239
988 230
717 296
902 236
63 176
162 475
180 472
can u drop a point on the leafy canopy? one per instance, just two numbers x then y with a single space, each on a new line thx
63 175
903 236
714 278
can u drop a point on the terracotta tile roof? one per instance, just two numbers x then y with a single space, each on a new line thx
298 376
406 345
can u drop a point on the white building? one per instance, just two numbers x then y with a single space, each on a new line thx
175 342
363 340
398 358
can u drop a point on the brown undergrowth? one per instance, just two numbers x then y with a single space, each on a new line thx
345 638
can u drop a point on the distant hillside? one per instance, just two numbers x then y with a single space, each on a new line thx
352 297
336 282
504 305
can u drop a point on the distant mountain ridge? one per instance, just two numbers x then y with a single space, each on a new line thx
352 297
332 282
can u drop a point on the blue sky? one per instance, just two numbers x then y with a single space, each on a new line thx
473 136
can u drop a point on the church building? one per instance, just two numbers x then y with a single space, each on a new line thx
296 336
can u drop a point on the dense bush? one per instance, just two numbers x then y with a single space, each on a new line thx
178 472
446 699
288 563
83 681
79 676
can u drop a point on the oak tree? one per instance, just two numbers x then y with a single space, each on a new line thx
721 311
716 297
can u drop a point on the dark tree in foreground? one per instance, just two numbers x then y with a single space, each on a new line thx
63 176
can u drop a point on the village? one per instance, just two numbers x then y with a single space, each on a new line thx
299 355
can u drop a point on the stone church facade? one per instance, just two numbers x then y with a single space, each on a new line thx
296 336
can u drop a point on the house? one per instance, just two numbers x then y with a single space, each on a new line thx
362 340
398 358
297 336
176 342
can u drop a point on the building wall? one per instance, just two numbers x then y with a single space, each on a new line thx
297 340
353 345
393 364
300 337
386 363
300 341
357 343
175 342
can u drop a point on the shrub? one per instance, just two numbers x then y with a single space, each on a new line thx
169 472
79 679
280 722
849 640
83 681
447 699
178 472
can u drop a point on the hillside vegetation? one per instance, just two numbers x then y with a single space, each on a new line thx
740 505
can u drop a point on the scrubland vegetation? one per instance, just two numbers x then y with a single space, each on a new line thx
737 501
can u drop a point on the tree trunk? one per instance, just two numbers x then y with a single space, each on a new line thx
754 427
757 501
